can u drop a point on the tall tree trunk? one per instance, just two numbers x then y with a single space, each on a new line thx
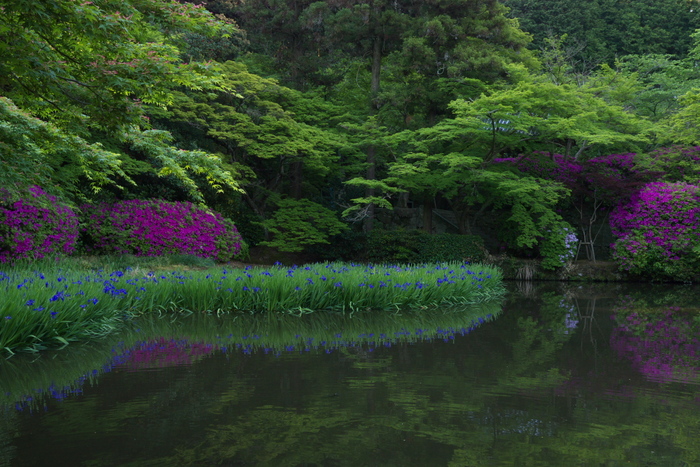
297 178
463 225
371 174
428 214
376 70
374 106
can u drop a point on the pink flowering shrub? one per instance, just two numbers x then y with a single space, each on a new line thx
612 177
157 227
547 166
35 226
658 231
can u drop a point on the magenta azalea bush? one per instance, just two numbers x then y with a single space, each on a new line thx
35 226
613 176
658 231
157 227
547 166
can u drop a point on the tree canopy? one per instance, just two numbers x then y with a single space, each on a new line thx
265 109
88 70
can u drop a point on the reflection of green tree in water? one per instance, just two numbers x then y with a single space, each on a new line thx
8 426
506 394
400 407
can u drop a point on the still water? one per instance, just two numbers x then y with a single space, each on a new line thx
553 375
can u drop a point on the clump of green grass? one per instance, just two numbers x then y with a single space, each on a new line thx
40 309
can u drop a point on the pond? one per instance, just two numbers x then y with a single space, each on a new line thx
555 374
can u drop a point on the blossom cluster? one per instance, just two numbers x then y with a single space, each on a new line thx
35 227
157 227
570 245
658 230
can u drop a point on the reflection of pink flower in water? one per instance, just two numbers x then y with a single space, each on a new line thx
164 353
663 347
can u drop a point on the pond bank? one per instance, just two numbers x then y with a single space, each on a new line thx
582 270
513 268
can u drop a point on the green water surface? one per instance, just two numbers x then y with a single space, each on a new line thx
554 375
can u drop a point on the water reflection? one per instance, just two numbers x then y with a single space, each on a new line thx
26 381
561 376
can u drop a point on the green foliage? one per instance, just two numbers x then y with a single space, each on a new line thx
673 164
602 30
34 152
545 116
662 80
315 43
221 46
451 247
558 247
95 63
415 246
90 71
184 166
274 139
532 210
349 245
683 126
297 224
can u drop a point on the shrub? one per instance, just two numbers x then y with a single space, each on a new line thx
558 246
349 245
659 231
157 227
35 226
675 164
415 246
300 223
545 165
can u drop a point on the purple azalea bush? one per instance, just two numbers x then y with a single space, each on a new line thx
156 227
547 166
35 226
658 231
614 176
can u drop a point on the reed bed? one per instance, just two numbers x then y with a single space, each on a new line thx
40 309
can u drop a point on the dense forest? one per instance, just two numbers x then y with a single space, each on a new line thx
531 124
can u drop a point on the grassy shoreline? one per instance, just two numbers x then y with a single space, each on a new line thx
46 305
